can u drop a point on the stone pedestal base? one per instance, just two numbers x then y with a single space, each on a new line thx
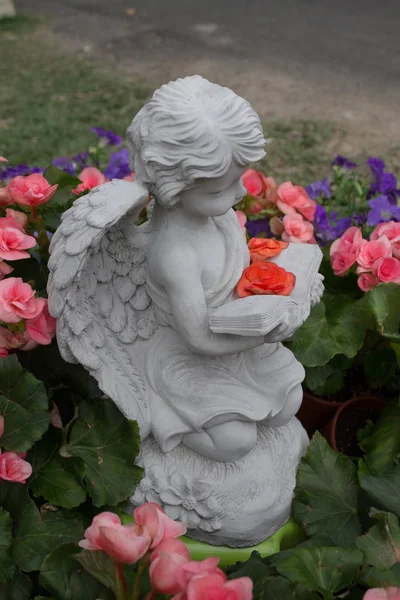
234 504
7 9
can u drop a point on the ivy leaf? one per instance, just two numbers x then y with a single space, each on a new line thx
324 569
326 494
37 533
66 579
383 489
19 588
6 564
381 545
60 481
108 443
382 447
24 406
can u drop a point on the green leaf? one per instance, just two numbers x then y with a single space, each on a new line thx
108 443
100 566
59 177
24 406
326 493
60 481
380 365
384 304
66 579
6 564
382 448
372 577
324 569
383 489
19 588
324 380
381 545
335 326
37 533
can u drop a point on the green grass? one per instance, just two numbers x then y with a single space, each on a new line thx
49 99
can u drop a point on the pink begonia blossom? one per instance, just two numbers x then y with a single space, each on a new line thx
277 226
389 593
387 269
5 198
166 560
350 242
217 587
391 230
92 534
13 243
297 230
17 301
1 426
341 262
43 328
293 198
2 159
371 251
130 177
5 269
20 341
31 190
159 526
366 282
242 220
258 186
91 178
14 468
18 216
198 568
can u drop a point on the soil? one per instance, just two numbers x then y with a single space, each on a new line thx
350 422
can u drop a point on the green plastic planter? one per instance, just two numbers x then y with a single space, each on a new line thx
286 537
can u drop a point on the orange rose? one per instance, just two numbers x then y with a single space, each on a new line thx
263 248
265 278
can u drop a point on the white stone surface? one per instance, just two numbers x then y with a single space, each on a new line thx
7 8
133 305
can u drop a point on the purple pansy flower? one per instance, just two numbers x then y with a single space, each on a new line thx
112 138
65 165
118 166
80 160
342 161
255 228
11 172
318 188
382 210
376 165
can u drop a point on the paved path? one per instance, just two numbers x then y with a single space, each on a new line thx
307 58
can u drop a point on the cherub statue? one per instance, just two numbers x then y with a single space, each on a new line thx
133 306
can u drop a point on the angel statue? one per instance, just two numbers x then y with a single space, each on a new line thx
152 313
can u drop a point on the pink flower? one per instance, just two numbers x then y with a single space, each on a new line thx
297 230
366 282
392 231
130 177
166 561
5 269
42 328
1 425
370 252
350 242
18 216
2 159
191 569
31 190
342 261
258 186
13 242
17 301
276 225
242 220
216 587
153 519
389 593
387 269
292 198
90 177
3 342
14 468
20 341
5 198
124 543
92 534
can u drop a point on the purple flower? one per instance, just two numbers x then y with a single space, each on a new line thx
80 160
258 226
319 188
65 165
384 183
112 138
118 166
376 165
382 210
11 172
340 226
358 219
342 161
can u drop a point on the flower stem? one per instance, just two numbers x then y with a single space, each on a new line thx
122 586
136 588
33 213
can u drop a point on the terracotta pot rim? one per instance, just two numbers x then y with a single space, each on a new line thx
321 400
377 400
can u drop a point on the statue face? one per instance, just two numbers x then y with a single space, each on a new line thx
214 197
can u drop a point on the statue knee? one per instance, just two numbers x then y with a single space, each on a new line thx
233 440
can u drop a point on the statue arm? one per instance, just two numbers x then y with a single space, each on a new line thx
186 295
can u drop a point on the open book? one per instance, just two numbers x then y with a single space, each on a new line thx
258 315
